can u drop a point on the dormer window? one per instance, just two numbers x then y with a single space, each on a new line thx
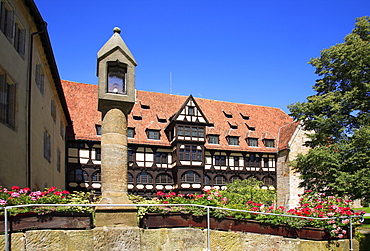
116 77
153 134
269 142
233 140
130 132
213 139
252 142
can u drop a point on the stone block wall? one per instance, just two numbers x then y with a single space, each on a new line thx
175 239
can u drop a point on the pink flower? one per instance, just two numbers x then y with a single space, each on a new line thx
345 221
2 202
340 235
15 195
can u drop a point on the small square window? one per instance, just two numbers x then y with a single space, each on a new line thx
252 142
233 141
153 134
191 110
213 139
269 143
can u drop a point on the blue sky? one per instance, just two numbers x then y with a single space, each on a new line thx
245 51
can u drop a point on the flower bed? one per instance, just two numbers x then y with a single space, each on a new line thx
38 217
156 220
315 205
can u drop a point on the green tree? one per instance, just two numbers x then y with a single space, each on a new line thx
338 116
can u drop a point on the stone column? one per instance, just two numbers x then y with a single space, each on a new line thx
114 172
114 157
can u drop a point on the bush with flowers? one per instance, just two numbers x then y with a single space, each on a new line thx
23 196
312 204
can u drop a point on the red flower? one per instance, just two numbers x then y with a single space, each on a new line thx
15 188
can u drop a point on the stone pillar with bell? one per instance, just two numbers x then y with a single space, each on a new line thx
116 90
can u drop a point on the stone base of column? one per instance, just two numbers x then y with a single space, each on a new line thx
116 217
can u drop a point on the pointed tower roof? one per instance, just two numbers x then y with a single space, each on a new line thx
116 43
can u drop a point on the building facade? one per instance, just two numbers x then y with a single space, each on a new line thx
185 144
33 111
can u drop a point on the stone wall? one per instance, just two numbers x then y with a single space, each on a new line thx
180 239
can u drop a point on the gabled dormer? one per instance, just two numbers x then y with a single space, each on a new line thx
188 123
190 112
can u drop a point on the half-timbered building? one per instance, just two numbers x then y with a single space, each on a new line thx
179 143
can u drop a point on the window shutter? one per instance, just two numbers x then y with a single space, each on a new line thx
3 97
2 17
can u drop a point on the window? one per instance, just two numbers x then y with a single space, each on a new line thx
6 21
53 110
7 101
252 142
98 129
253 160
191 110
97 153
180 131
219 180
161 158
19 39
47 146
233 141
78 175
236 161
190 177
144 178
130 153
96 176
191 131
130 132
58 159
213 139
220 160
130 178
39 78
116 77
206 180
164 178
191 153
269 143
153 134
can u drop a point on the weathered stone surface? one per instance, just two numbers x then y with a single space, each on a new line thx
117 238
172 239
180 239
45 240
114 218
79 240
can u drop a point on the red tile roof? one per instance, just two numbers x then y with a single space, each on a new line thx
82 100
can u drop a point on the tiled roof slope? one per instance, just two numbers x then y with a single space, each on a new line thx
151 107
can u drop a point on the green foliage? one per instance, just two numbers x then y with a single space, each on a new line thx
24 196
338 116
242 191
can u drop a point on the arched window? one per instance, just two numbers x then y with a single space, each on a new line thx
219 180
190 177
234 178
206 180
78 175
144 178
130 178
268 181
96 176
164 178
